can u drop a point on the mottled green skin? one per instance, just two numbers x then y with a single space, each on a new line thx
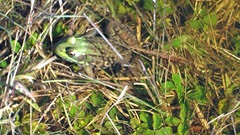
94 51
79 45
89 52
81 51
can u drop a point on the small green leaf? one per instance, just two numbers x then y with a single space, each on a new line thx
180 92
172 121
73 98
176 79
166 47
145 117
210 20
56 114
179 41
148 132
195 24
58 29
156 121
169 10
237 49
203 12
183 128
205 27
176 42
227 81
134 122
41 127
97 99
148 5
34 38
168 85
198 94
164 131
31 41
81 114
73 111
67 104
113 112
15 46
3 63
184 112
237 113
223 106
142 127
121 9
83 132
83 123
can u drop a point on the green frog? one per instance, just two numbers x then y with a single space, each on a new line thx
92 52
95 52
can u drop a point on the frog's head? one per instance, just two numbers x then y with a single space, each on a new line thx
76 54
80 49
72 48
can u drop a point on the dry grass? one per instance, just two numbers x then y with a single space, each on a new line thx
207 60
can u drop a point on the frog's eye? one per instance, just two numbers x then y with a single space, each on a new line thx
107 64
72 53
